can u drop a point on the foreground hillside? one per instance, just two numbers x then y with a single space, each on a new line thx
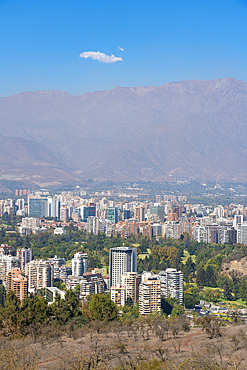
112 346
195 129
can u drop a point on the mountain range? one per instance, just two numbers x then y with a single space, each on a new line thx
189 129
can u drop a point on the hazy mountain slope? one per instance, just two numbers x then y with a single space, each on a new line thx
32 160
192 129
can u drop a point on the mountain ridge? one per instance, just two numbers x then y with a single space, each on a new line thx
189 129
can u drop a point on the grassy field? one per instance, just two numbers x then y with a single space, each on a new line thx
143 255
186 256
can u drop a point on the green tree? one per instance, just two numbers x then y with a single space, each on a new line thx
177 310
10 314
101 307
190 300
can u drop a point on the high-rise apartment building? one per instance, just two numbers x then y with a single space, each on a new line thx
157 229
130 281
20 204
149 296
39 274
91 284
172 229
242 233
112 214
122 260
24 255
7 262
172 284
139 214
79 264
53 207
57 261
17 283
93 225
118 295
64 214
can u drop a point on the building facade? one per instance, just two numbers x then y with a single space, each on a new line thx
130 281
112 214
149 296
37 207
39 274
17 283
122 260
24 255
172 284
79 264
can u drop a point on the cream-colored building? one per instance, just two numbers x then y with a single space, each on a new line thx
130 281
149 296
118 295
39 274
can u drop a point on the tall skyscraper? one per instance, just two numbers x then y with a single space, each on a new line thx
37 207
158 211
87 211
127 214
172 284
112 214
54 207
122 260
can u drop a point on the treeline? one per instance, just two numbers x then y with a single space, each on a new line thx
21 318
18 317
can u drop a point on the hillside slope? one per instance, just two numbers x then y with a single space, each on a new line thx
195 129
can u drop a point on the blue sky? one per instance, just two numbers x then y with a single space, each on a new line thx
163 41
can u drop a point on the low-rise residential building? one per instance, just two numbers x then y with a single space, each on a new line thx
51 292
60 231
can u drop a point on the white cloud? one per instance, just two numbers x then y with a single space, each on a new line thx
101 57
122 49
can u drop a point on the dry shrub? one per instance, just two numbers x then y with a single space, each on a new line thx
17 355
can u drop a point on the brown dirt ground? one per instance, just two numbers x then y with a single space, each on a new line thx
53 352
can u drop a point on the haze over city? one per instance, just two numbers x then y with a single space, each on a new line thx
123 184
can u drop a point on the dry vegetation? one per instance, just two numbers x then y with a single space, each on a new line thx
146 344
